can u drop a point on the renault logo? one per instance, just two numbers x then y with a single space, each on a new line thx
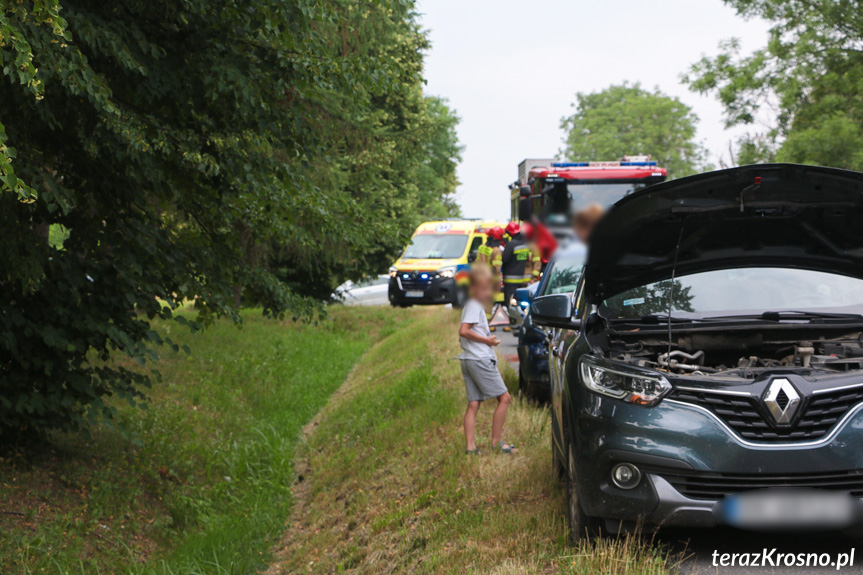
782 401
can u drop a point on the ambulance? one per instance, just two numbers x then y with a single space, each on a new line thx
433 269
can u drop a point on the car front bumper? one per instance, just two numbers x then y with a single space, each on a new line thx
434 291
690 461
533 362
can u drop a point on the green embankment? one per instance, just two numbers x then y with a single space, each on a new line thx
388 489
201 481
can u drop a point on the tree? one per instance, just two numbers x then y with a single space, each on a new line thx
628 120
802 92
436 176
210 151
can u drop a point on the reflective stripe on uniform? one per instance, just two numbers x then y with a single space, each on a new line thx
484 250
513 279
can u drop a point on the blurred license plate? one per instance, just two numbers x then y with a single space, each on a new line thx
414 293
772 509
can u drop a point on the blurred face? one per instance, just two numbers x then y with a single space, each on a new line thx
582 231
481 290
584 221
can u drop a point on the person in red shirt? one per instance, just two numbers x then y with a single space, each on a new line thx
545 242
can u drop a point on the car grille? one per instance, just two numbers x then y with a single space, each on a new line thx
747 417
718 485
414 281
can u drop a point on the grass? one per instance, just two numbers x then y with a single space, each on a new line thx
386 487
201 482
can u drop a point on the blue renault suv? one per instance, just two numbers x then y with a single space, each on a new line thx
708 369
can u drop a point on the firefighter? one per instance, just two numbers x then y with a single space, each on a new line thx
491 253
534 267
516 258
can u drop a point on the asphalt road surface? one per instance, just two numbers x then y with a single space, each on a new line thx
699 545
507 347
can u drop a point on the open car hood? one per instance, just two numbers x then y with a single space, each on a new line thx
769 215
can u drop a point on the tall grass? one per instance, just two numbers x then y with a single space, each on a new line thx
393 492
201 481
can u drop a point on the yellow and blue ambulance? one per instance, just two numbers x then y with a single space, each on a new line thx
433 269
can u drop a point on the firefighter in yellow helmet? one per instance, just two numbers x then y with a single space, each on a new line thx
516 258
491 254
534 267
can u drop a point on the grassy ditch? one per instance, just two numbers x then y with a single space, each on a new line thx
386 488
201 484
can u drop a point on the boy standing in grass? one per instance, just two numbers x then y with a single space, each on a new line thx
482 379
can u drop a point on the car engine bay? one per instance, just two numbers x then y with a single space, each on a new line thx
743 355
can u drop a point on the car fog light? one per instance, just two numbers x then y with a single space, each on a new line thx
625 476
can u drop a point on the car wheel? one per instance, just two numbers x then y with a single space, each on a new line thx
460 298
557 465
522 384
580 525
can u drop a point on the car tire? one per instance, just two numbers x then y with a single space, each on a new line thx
522 384
526 387
460 298
581 526
557 465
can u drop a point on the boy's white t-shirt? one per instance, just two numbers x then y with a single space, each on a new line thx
474 313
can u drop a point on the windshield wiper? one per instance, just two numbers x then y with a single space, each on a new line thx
785 315
656 319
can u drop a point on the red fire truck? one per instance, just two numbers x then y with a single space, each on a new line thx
553 191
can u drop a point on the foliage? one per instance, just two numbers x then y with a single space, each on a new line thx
436 177
625 120
195 150
659 298
802 92
202 486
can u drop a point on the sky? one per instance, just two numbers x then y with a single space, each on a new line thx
511 69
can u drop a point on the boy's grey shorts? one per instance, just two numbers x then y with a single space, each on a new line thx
482 380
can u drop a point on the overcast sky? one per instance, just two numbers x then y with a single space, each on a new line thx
511 69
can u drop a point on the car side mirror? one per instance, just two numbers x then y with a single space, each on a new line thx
554 311
471 257
525 208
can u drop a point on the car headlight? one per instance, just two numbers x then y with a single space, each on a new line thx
446 272
393 272
620 383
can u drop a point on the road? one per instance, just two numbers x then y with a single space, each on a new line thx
699 545
507 347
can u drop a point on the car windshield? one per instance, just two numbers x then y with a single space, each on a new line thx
436 246
742 291
564 275
583 195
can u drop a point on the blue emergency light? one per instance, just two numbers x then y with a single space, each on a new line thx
600 164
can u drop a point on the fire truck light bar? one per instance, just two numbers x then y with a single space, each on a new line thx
601 164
